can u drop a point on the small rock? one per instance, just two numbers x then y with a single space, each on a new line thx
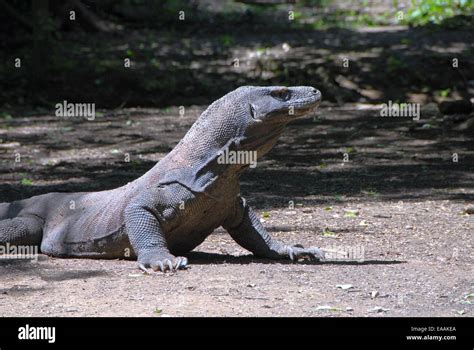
324 307
378 309
349 308
344 286
469 210
382 216
286 47
466 126
374 294
429 110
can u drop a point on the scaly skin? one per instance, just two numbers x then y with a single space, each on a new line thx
173 207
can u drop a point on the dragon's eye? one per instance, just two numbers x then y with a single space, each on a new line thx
282 95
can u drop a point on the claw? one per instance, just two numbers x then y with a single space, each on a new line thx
169 265
176 263
317 253
291 253
180 262
297 251
184 262
143 268
153 264
158 266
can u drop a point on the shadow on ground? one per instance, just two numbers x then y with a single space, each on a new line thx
187 63
203 258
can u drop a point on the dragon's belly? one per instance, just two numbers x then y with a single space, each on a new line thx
202 214
195 225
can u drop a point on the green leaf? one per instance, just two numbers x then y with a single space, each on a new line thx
322 165
6 116
328 308
351 214
328 233
350 149
370 192
26 182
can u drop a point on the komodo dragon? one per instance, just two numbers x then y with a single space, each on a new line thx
172 208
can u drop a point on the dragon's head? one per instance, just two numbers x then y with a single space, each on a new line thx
264 112
250 118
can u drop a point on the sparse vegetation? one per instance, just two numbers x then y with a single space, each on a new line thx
422 12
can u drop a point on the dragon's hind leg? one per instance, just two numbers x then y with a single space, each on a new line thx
4 210
21 231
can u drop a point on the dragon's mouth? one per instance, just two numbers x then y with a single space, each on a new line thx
302 107
295 110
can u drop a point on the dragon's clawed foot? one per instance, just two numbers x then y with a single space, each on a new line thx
161 262
297 252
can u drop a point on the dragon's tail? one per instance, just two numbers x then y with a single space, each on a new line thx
25 230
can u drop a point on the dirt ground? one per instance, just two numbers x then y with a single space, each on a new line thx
399 198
